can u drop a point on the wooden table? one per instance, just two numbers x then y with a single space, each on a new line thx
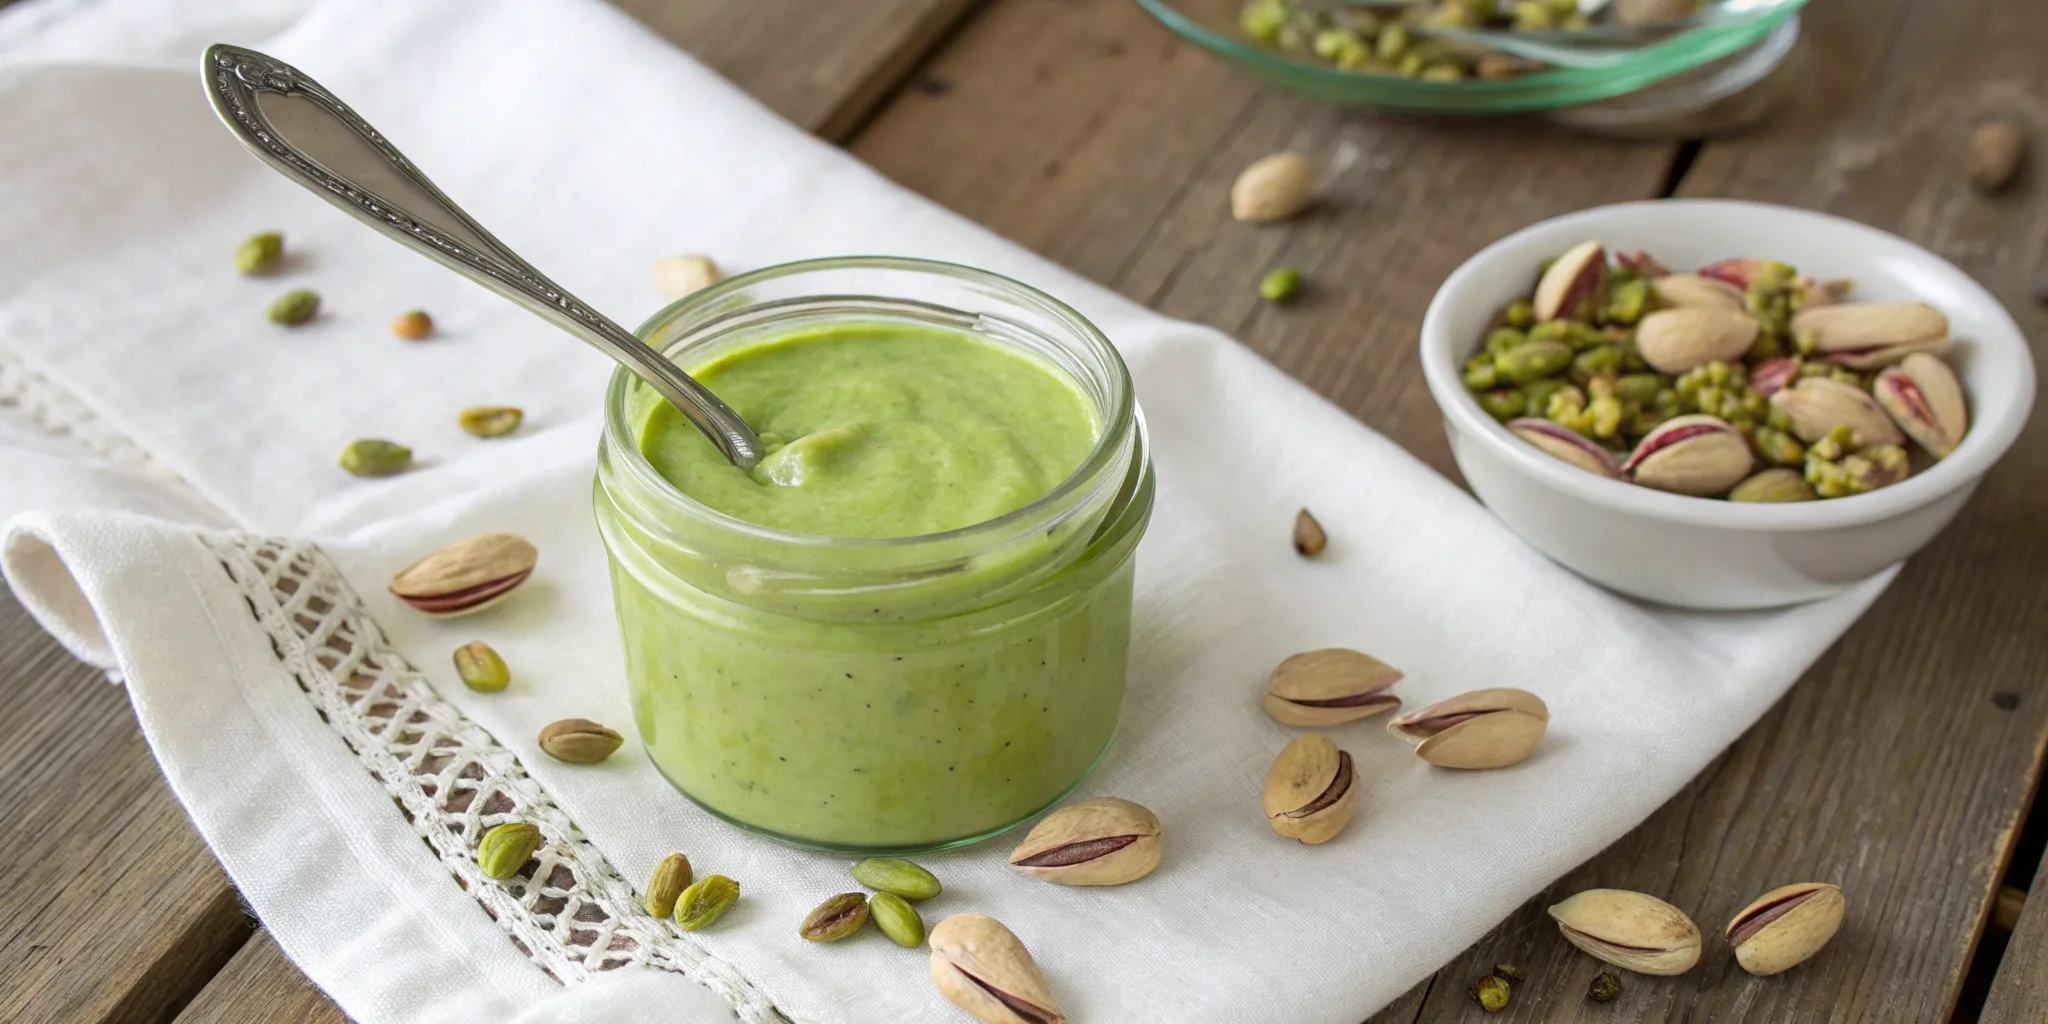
1902 767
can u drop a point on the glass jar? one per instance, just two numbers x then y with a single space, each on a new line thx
871 695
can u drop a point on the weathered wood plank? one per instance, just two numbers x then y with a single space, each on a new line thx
260 984
2019 994
115 910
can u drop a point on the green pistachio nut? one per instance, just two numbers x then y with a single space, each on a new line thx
1443 73
1520 314
1532 16
490 420
506 849
836 918
1481 377
480 667
1280 285
1262 19
1500 339
260 254
1779 447
295 307
1599 361
1502 404
1627 299
1532 360
1391 44
1779 484
897 919
1642 388
1537 393
374 457
1491 992
898 877
705 901
671 877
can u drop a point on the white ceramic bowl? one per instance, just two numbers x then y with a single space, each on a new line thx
1697 552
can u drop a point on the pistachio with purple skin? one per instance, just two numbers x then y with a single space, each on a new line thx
1880 465
1924 398
1104 841
1774 375
1785 927
1867 335
1697 455
1483 729
1818 405
1563 443
1330 687
466 576
1693 290
1573 285
1310 790
982 968
1676 340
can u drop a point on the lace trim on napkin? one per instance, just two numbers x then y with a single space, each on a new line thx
55 411
569 911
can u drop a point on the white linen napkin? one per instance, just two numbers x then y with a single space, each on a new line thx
595 148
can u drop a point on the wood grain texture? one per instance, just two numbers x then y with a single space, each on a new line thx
259 984
825 66
2019 994
114 910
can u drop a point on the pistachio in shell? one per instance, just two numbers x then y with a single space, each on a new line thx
1309 538
1330 687
1482 729
1923 397
1785 927
1694 290
1630 930
1867 335
579 741
466 576
982 968
1573 284
1311 790
1104 841
1676 340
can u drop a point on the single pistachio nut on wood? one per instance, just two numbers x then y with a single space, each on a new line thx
1309 538
1996 152
1281 285
579 741
671 877
705 901
1785 927
506 849
981 967
480 667
1923 396
1104 841
895 875
1817 405
1868 335
1606 985
466 576
1697 291
1482 729
836 918
490 420
1573 285
1676 340
1630 930
896 918
373 456
413 325
295 307
1330 687
1777 484
260 254
1310 790
1273 188
1491 993
1561 442
677 276
1698 455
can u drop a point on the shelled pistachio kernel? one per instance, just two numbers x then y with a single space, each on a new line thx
705 901
490 420
295 307
260 254
1281 285
372 456
671 877
897 876
897 919
506 849
836 918
414 325
480 667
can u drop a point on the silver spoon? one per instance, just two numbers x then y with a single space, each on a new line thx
308 135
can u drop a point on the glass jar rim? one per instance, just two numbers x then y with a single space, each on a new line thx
621 437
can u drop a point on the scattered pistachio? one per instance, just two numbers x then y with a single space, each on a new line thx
1309 538
413 325
1330 687
1483 729
506 848
705 901
897 919
1281 285
260 254
981 967
836 918
375 457
1310 792
1630 930
1508 973
897 876
481 668
1606 985
677 276
295 307
671 877
490 420
1104 841
466 576
1785 927
1273 188
1996 152
1491 992
579 741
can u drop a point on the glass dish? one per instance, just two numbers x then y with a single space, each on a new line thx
1213 26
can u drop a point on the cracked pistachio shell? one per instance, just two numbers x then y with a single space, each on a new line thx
1481 729
1573 283
982 968
1698 455
466 576
1273 188
1693 291
1104 841
1818 405
677 276
1309 538
1630 930
1866 335
1330 687
1924 398
1786 926
1676 340
1564 444
1311 790
579 741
